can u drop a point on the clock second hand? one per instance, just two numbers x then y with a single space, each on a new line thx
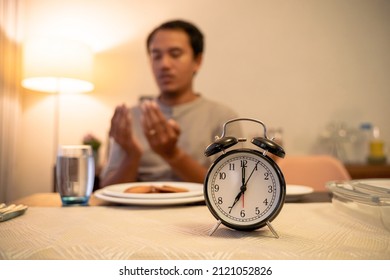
253 170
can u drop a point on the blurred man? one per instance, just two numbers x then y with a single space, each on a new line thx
164 139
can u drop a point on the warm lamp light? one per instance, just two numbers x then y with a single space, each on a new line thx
57 66
52 65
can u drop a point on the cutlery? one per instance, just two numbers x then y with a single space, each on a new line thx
11 211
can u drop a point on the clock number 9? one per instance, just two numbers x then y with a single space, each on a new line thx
216 188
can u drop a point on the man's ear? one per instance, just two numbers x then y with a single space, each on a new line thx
198 61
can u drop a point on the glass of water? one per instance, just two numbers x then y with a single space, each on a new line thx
75 172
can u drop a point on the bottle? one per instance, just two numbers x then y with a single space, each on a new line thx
365 135
376 153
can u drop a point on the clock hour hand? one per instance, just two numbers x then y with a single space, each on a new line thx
235 201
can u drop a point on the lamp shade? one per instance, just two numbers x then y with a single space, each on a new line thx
53 65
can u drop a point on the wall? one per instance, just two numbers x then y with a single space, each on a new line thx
298 65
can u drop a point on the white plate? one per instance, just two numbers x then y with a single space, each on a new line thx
149 202
194 189
297 192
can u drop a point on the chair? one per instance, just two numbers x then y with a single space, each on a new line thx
313 170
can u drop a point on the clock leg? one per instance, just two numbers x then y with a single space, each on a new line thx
272 229
215 227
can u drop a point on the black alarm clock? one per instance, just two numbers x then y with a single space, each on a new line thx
244 188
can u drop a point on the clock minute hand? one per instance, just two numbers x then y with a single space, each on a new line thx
243 185
242 177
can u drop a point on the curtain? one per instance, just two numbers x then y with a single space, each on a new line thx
10 73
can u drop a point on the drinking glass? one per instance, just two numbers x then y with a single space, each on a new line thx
75 172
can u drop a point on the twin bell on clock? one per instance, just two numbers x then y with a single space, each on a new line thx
244 188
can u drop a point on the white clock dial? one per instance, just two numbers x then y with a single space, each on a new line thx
244 189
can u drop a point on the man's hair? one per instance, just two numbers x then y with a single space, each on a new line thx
194 34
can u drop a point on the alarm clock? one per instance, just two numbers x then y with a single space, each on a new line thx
244 188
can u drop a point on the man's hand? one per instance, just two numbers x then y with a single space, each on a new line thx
121 131
161 133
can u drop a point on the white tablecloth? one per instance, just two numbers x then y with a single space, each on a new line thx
307 231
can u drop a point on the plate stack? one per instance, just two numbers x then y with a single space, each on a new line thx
116 193
367 200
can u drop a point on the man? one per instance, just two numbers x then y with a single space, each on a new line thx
164 139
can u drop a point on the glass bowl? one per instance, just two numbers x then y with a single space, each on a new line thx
366 199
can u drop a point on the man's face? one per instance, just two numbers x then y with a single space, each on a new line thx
172 61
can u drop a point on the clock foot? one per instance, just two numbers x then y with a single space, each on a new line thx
272 229
215 227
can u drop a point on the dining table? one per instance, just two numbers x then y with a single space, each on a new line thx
310 228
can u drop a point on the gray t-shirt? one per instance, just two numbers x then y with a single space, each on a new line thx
200 122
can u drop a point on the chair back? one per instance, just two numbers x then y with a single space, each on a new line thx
313 170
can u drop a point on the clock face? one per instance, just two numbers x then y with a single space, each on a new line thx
244 189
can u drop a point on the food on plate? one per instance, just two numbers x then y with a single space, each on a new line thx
170 189
155 189
141 189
